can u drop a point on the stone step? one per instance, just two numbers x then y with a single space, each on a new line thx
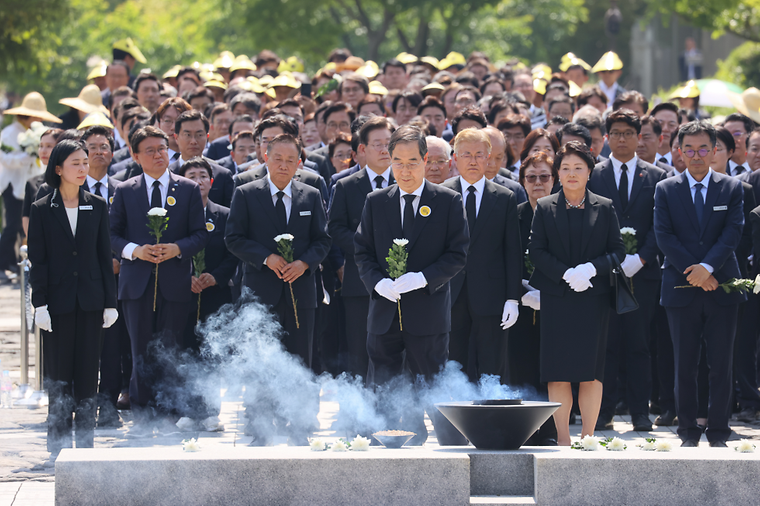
496 500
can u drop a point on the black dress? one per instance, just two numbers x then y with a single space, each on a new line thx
573 348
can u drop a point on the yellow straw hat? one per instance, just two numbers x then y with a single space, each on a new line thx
688 90
33 105
608 62
89 100
128 46
95 118
747 103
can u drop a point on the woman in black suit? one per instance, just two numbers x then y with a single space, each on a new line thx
73 291
573 232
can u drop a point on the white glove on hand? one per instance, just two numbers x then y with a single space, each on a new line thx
586 270
527 286
110 315
385 288
532 300
42 318
510 314
409 282
580 285
631 265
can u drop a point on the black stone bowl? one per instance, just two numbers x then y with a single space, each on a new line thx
497 426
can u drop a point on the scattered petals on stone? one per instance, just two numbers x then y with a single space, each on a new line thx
649 446
317 445
339 446
663 445
360 444
190 445
745 447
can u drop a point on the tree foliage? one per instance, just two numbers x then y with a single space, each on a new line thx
739 17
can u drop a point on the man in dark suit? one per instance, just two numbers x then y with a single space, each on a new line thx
484 294
698 224
346 209
143 260
240 124
649 141
493 167
629 182
191 132
435 227
262 210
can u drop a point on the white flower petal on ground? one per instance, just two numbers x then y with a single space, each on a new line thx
745 447
590 443
616 445
663 445
317 445
360 444
627 230
401 242
190 445
649 446
157 211
339 446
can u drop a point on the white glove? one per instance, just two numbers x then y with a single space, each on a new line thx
581 285
631 265
527 286
510 314
586 270
42 318
409 282
385 288
110 315
532 300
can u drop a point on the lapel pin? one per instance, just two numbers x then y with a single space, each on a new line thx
210 226
110 199
424 211
171 200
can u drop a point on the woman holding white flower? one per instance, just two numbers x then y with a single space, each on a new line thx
73 291
573 232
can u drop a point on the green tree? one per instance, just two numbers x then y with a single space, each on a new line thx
740 17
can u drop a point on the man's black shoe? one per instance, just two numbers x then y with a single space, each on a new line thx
641 423
603 423
690 443
718 444
667 419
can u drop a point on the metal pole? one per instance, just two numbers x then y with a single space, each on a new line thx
24 329
37 359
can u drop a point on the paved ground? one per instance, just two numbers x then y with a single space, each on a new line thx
27 475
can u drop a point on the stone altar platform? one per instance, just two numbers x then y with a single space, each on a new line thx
409 476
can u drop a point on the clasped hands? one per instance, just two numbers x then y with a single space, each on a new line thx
579 277
700 277
287 272
408 282
197 285
156 253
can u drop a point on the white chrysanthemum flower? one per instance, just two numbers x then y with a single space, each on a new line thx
663 445
616 445
287 237
756 288
339 446
317 445
649 446
590 443
157 211
360 444
190 445
745 447
627 230
401 242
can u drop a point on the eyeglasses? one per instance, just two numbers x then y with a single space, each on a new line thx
738 134
160 150
342 125
628 134
103 148
690 152
438 163
351 90
466 157
544 178
405 166
380 146
199 136
517 137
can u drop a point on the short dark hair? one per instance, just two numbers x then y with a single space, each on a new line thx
515 120
393 62
575 130
198 92
245 134
356 125
591 123
372 124
490 80
55 133
470 112
666 106
338 107
355 78
118 62
341 138
587 94
654 123
121 91
144 76
189 70
562 99
196 162
284 138
370 99
187 116
144 133
497 106
749 125
431 101
726 137
98 130
574 148
179 104
407 134
630 118
124 105
249 100
321 108
278 120
535 159
60 153
139 112
71 134
557 120
245 118
695 128
532 138
218 109
631 97
412 97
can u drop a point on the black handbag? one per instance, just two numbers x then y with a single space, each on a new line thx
621 290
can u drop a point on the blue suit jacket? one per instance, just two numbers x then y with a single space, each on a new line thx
187 228
685 243
218 148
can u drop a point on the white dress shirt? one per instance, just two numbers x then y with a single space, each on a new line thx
415 203
609 92
287 199
479 188
705 183
372 175
129 249
668 157
73 214
617 169
91 182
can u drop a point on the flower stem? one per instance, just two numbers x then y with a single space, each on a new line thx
155 290
295 311
198 315
400 325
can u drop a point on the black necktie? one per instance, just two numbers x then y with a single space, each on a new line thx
663 160
738 170
379 182
699 202
470 208
95 189
155 197
408 224
279 210
623 187
175 156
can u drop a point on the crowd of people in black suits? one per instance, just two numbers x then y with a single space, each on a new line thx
508 192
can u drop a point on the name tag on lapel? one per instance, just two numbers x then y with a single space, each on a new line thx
720 208
305 213
85 208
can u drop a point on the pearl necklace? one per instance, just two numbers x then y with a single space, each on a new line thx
575 207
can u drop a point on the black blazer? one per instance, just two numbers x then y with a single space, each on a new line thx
744 250
349 195
437 248
223 186
754 219
67 268
639 214
550 242
218 148
513 186
252 227
525 217
126 169
493 271
228 163
302 176
220 262
38 188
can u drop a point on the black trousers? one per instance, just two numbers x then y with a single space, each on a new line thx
397 352
689 326
73 351
477 341
628 338
356 313
147 328
666 377
745 353
297 340
12 213
115 362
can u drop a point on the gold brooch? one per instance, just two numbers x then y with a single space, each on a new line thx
171 200
424 211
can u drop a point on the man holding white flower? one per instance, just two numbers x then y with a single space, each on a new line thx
629 182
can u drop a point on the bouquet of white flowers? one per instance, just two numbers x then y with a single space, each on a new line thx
29 140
